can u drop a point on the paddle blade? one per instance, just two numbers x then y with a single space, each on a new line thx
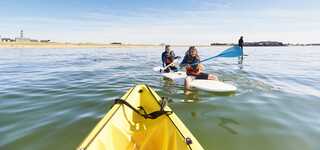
157 69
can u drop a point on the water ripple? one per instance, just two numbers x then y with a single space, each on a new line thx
50 96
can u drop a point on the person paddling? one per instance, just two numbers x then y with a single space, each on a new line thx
194 69
168 57
240 44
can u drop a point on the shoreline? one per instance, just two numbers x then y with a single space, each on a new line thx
81 45
68 45
97 45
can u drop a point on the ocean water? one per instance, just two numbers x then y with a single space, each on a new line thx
52 98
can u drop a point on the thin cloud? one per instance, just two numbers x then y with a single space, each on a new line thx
199 21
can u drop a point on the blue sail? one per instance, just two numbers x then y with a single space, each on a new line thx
234 51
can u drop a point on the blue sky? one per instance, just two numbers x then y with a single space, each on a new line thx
162 21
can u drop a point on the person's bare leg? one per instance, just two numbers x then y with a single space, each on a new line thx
187 82
212 77
187 92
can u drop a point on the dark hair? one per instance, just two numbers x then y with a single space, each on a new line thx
188 51
192 48
167 46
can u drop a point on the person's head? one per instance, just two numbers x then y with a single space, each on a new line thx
241 37
193 51
167 48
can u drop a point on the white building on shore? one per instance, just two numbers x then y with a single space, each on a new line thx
23 39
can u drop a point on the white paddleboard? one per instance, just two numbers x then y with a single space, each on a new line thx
206 85
157 69
212 86
175 75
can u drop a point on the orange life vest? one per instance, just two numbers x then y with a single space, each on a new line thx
193 71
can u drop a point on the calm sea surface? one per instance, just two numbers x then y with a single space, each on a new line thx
52 98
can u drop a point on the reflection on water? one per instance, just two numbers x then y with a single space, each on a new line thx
52 98
226 123
191 96
169 86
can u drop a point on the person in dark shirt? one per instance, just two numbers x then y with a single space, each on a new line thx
168 57
194 69
240 44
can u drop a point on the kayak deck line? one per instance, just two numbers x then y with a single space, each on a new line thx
153 115
123 128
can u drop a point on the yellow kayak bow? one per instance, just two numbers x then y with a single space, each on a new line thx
139 121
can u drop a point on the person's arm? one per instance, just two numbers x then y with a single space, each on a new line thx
163 57
173 56
184 62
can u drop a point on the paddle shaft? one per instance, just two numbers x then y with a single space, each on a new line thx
168 65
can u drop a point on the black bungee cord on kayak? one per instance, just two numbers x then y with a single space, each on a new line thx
153 115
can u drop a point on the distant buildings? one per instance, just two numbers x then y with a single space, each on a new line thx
314 44
265 43
116 43
44 41
25 40
22 39
219 44
261 43
7 40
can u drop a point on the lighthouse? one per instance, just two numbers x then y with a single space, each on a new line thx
21 38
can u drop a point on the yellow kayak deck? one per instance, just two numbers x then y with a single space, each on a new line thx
124 129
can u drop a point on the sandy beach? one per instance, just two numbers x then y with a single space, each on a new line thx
79 45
